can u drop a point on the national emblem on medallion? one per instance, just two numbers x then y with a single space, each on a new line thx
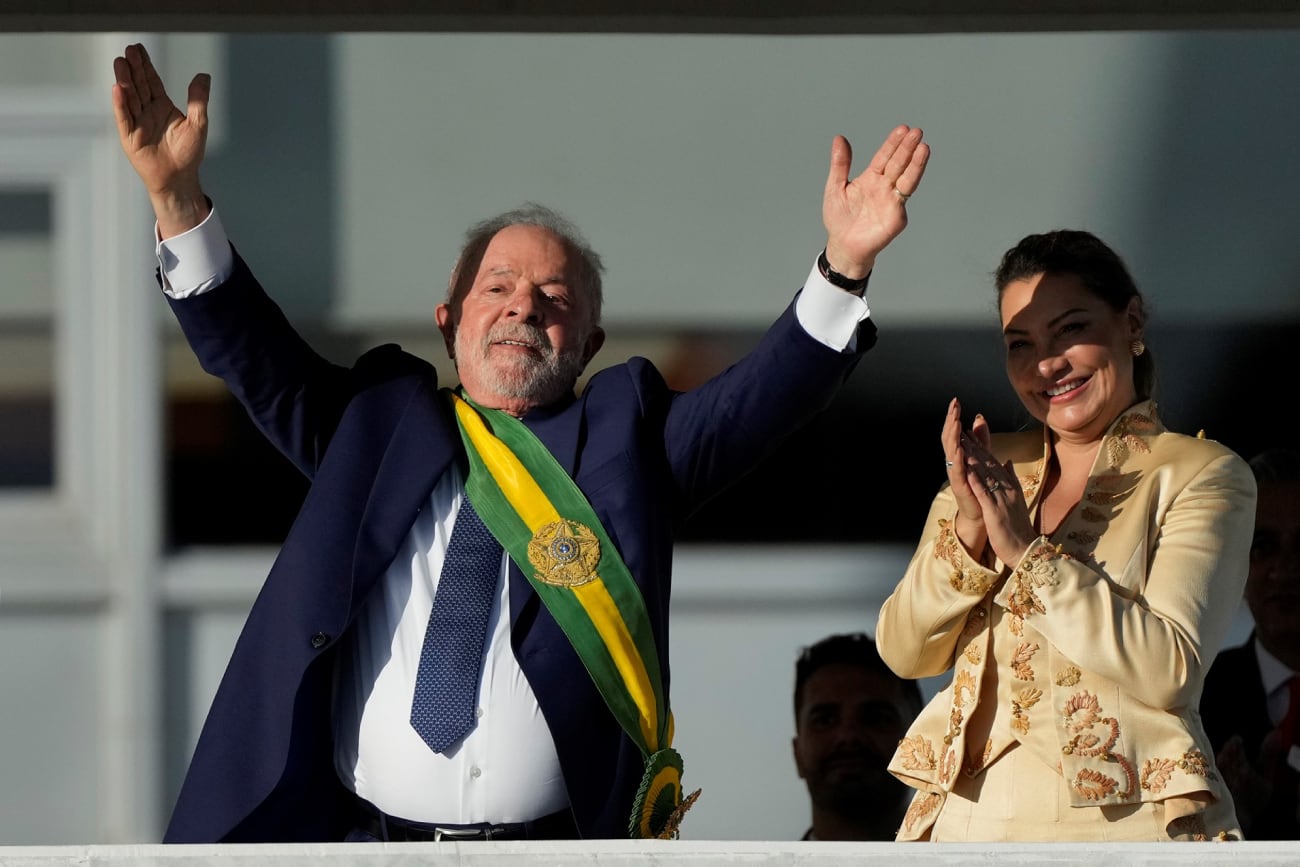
564 553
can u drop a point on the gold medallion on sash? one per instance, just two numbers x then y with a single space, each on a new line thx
565 554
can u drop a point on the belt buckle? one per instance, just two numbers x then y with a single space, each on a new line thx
453 834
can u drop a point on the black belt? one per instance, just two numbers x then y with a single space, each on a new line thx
381 826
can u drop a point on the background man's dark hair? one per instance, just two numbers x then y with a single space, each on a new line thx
1281 466
857 649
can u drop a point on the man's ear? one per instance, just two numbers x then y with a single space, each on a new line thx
595 340
446 324
794 748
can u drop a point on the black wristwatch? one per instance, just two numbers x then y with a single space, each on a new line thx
835 278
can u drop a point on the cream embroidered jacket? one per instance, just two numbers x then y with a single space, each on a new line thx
1092 650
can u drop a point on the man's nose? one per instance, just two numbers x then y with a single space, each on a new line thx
851 732
525 304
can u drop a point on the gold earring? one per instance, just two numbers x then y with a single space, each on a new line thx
1137 347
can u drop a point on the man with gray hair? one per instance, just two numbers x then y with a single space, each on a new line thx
464 635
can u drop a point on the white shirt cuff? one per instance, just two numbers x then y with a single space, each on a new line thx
829 314
193 262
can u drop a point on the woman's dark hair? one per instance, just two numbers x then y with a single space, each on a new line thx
1083 254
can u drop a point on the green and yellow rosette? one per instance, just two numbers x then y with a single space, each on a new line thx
659 806
544 522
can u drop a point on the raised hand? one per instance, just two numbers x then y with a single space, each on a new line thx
1001 499
164 145
969 524
862 215
1251 786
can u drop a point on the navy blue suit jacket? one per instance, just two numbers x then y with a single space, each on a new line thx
374 439
1233 702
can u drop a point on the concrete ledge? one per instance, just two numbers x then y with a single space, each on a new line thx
634 853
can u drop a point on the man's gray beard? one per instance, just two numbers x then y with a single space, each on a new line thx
535 380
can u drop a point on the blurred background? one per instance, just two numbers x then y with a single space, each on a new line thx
139 510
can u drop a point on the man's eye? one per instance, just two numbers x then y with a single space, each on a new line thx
821 720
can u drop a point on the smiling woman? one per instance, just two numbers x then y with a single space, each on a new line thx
1078 579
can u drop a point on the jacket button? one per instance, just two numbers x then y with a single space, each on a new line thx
319 640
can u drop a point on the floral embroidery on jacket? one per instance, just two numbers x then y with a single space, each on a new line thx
1020 661
916 754
1039 563
1082 713
955 719
1195 762
946 546
1038 569
1029 484
970 581
1016 623
1025 699
949 766
1068 676
921 806
1094 785
965 683
1127 436
948 549
1156 773
970 633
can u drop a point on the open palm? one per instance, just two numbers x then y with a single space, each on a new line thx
164 145
862 215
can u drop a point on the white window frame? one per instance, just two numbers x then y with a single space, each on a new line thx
89 544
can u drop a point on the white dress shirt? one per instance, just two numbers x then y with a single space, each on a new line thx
1274 674
506 768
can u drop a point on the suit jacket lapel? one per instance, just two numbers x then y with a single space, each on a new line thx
423 445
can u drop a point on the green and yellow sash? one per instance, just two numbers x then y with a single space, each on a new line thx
544 522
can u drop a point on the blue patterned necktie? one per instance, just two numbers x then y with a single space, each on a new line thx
451 660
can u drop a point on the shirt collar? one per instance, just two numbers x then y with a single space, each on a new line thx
1273 673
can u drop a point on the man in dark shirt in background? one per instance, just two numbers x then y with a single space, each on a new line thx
850 711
